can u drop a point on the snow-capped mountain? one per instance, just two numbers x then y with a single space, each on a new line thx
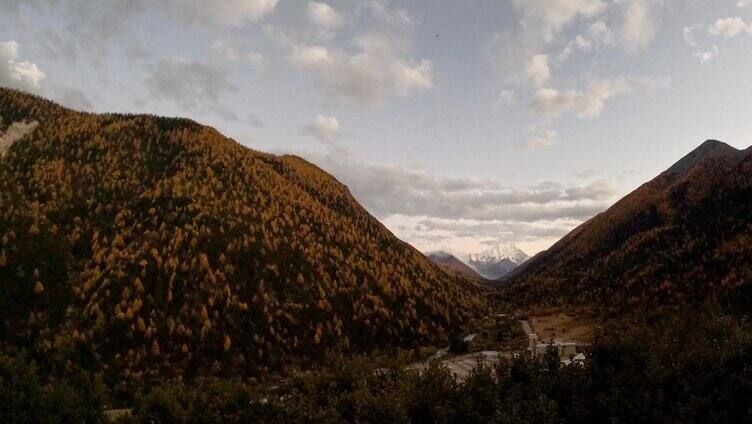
497 261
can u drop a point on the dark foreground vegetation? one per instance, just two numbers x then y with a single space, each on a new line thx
688 366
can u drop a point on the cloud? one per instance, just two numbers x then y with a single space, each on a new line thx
586 174
597 36
689 36
505 98
702 52
85 28
254 121
640 21
539 137
325 129
425 209
729 27
377 69
324 16
18 74
236 51
232 13
74 98
193 85
537 69
382 11
551 102
387 190
588 104
497 230
551 15
706 56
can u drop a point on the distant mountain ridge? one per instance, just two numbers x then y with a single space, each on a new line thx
683 236
497 261
450 263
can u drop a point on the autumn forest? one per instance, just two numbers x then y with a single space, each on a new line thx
153 270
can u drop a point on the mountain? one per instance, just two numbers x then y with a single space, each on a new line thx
685 236
497 261
139 247
451 264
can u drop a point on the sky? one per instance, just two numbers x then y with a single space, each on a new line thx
457 123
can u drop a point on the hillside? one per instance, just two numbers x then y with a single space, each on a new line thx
144 246
685 236
451 264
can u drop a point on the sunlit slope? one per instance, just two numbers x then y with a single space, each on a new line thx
144 244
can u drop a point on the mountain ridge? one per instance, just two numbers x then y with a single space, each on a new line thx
157 245
452 264
682 205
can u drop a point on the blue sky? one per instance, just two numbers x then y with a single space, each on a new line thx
457 123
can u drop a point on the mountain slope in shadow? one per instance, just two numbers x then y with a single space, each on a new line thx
684 236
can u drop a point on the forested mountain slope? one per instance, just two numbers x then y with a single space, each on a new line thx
141 245
685 236
451 264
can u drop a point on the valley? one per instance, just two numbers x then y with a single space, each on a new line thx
375 211
135 285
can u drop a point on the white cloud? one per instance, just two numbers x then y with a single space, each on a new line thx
588 104
551 102
236 51
258 61
324 16
232 13
702 52
539 137
537 69
551 15
729 27
394 17
20 75
598 36
325 129
395 190
591 104
377 69
705 56
689 36
420 206
509 230
226 49
640 21
86 28
743 3
505 98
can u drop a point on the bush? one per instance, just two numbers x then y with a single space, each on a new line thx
208 400
692 366
27 398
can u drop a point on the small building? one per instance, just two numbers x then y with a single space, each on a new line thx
567 350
